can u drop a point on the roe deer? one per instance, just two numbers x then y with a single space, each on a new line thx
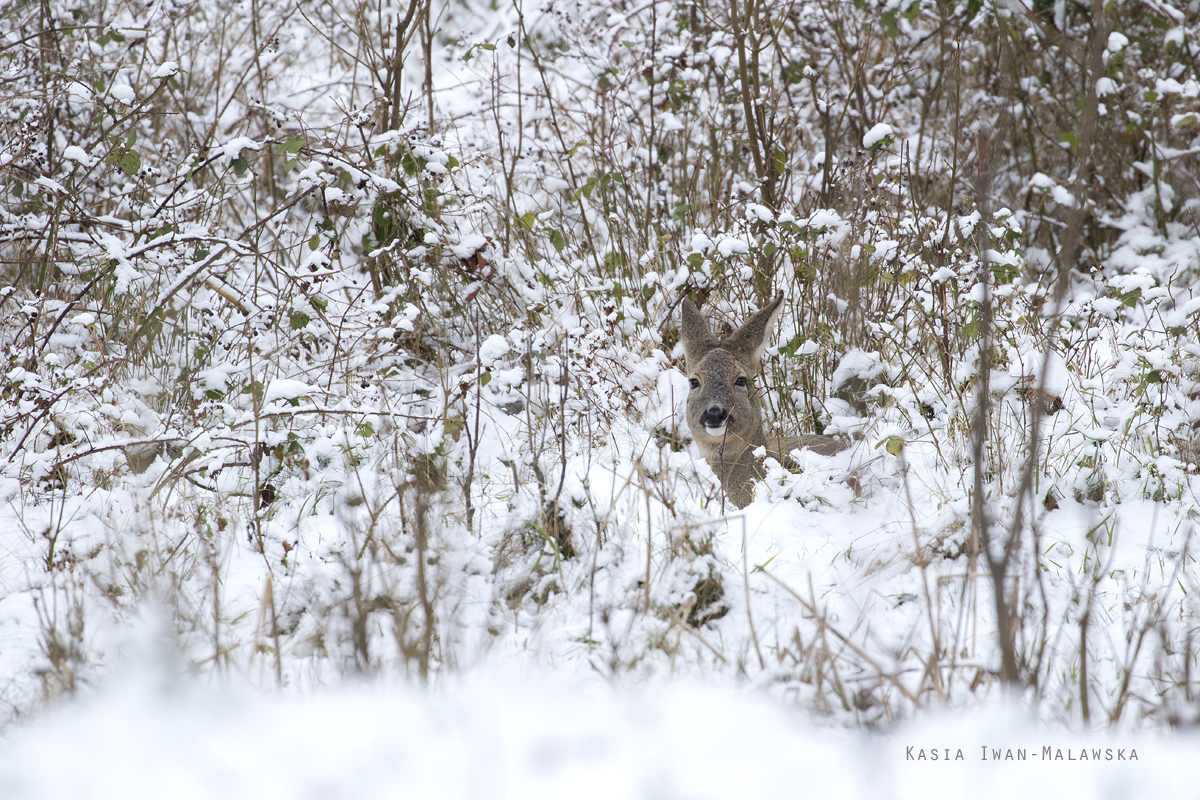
723 411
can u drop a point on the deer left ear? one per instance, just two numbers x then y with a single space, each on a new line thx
695 333
750 340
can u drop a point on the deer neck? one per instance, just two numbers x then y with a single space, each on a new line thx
732 453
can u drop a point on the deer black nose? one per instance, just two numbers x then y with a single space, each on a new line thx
714 417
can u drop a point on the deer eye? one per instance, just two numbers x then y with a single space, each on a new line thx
741 381
695 383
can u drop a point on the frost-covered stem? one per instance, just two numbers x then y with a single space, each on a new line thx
1073 236
427 48
762 664
528 42
272 189
1084 706
508 167
214 565
270 616
396 68
649 530
358 626
257 448
932 669
422 582
980 522
472 431
1072 241
749 93
955 64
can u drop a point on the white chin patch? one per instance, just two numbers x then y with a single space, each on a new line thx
715 431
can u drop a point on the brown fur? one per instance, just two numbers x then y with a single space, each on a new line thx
725 417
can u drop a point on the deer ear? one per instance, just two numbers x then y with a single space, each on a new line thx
750 340
696 336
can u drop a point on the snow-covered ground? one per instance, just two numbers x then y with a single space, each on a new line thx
342 445
508 735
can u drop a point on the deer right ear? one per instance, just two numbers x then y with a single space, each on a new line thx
750 340
696 336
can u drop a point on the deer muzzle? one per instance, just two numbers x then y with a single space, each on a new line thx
714 420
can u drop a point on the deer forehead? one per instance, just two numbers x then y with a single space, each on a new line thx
720 365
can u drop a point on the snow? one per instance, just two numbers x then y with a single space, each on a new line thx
857 365
499 735
730 245
234 147
77 154
286 389
469 246
493 348
123 93
759 212
878 133
411 478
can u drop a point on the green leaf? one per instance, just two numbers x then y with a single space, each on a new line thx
883 144
1129 299
292 146
319 303
411 165
585 190
485 379
526 220
467 56
912 11
556 239
1005 273
130 138
240 165
299 319
130 163
893 444
792 346
888 21
199 254
366 430
163 231
314 242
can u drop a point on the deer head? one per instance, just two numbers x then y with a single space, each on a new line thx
722 410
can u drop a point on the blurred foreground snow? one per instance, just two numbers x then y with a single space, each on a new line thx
492 736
